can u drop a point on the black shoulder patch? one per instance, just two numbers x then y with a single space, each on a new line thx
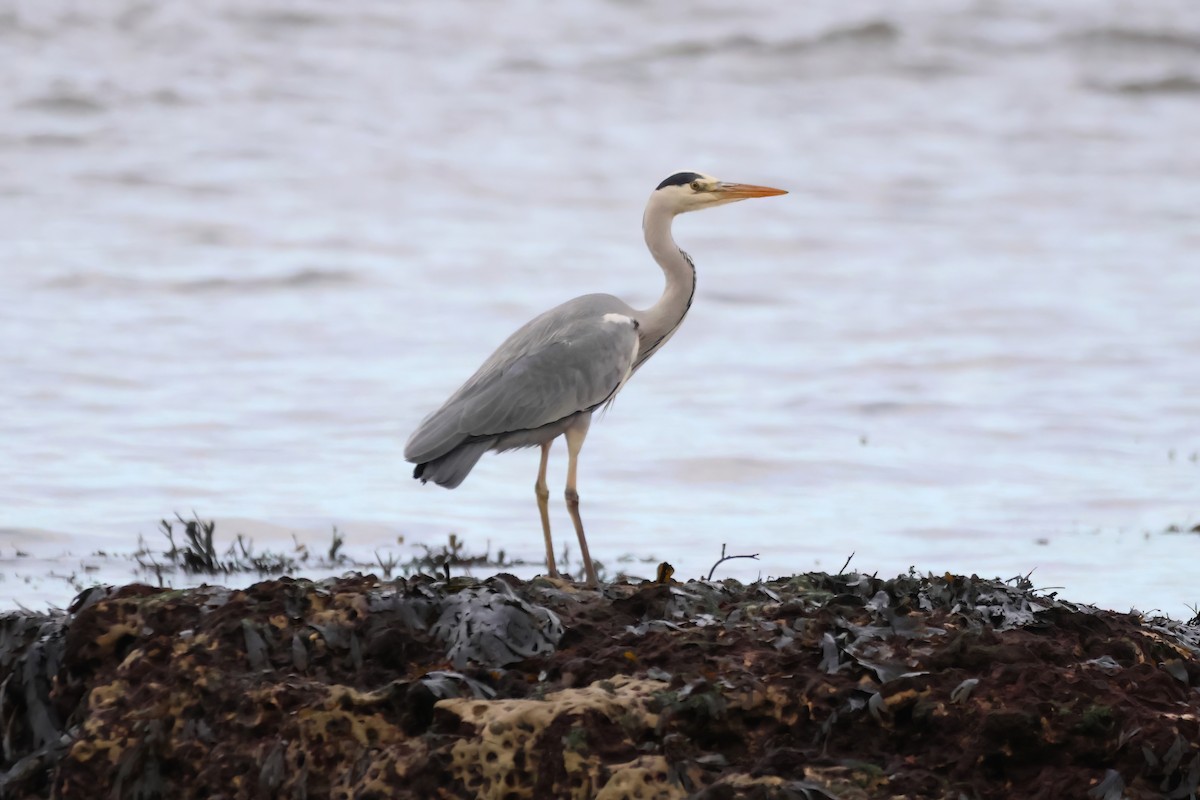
678 179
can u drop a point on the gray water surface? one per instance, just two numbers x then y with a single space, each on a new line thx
245 248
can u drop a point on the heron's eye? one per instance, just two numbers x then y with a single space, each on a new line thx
697 186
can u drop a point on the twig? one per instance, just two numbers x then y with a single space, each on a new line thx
725 558
842 571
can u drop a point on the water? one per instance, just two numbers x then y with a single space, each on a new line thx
244 251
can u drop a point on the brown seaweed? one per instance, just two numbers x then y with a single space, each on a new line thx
814 686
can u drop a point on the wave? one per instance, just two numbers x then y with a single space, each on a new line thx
301 279
282 19
1168 84
53 140
727 44
1132 37
308 278
64 102
873 33
144 180
881 33
77 102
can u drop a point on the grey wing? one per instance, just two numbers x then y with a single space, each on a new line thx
571 359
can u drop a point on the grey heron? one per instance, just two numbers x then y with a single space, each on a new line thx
547 378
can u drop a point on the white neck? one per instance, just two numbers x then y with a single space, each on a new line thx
658 323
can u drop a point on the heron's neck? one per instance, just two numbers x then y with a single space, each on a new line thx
658 323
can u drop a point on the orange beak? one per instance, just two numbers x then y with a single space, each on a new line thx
744 191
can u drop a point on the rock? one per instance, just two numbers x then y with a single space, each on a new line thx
811 687
569 744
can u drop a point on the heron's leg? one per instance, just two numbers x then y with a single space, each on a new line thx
543 499
575 436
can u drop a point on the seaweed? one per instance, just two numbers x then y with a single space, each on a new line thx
811 686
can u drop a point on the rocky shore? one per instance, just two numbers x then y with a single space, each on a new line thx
815 686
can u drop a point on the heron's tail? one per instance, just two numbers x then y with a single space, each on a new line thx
452 469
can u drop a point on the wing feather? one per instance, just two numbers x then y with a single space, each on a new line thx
568 360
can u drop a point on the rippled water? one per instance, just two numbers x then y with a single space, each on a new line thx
244 249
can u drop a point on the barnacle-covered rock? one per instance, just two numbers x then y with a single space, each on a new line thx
562 745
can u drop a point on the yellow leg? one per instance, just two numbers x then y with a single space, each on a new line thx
575 436
543 500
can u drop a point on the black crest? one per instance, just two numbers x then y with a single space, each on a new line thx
679 179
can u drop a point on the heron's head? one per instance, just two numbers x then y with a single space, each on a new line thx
692 191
